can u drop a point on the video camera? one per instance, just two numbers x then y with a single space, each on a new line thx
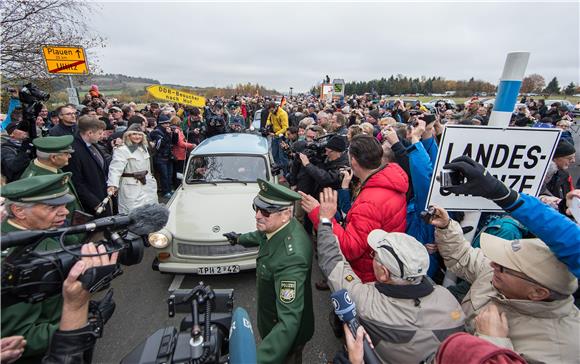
202 336
316 151
31 98
32 276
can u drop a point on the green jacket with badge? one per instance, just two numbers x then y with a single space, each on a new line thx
285 312
36 322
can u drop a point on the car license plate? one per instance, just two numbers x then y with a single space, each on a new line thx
220 269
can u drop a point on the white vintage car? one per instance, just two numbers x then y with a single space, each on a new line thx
215 197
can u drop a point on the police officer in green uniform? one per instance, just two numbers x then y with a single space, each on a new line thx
37 202
53 153
283 267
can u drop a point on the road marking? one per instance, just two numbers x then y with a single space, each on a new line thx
177 280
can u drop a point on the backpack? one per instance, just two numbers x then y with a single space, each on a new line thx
505 227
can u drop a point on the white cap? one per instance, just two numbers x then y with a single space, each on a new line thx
533 258
402 254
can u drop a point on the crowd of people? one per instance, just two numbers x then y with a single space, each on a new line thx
357 172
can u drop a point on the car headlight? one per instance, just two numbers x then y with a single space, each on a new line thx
158 240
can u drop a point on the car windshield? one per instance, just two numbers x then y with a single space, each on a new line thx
225 168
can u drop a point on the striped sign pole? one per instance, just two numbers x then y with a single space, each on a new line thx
505 101
509 88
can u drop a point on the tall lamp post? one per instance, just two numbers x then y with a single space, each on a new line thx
291 88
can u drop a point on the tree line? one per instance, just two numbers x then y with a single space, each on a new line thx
399 85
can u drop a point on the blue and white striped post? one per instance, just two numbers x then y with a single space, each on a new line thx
509 87
505 101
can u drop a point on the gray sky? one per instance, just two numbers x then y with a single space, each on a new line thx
296 44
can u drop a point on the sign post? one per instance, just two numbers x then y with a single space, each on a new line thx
338 86
519 157
66 60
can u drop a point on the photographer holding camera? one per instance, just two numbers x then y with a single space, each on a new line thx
35 203
328 173
15 151
216 120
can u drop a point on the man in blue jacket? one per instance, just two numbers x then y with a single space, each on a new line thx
557 231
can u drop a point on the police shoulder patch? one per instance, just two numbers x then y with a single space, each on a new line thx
287 291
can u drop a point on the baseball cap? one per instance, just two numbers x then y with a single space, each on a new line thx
402 254
115 108
533 258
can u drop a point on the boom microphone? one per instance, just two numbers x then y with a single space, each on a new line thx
345 309
141 221
242 342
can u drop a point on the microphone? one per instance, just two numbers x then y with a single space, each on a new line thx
345 309
140 221
242 343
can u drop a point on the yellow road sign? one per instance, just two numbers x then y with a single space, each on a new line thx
170 94
65 60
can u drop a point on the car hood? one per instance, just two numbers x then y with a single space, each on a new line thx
202 213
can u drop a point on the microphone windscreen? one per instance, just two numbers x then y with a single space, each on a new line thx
148 218
344 307
242 342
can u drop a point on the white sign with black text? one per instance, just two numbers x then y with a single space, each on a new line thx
519 157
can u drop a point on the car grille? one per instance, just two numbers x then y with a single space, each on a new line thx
213 250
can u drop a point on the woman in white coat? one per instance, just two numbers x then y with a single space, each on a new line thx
130 172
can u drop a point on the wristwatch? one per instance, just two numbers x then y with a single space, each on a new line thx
325 221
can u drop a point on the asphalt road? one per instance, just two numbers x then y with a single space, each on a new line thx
140 294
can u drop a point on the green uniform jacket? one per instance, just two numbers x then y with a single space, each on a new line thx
285 312
36 322
35 170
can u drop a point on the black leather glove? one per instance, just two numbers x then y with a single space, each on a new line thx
232 237
479 182
103 308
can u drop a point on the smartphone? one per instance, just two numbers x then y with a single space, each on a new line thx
427 215
449 178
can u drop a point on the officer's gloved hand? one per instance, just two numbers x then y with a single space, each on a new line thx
232 237
479 182
103 308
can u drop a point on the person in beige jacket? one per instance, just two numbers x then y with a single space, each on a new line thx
130 172
520 296
406 315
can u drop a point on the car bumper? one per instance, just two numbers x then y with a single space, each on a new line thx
248 263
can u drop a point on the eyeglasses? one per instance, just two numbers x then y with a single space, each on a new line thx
69 113
266 213
513 273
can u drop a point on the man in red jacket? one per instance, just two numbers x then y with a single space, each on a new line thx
380 204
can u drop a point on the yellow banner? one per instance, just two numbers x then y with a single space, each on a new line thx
170 94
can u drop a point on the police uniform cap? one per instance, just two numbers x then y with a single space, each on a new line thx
54 144
274 197
50 189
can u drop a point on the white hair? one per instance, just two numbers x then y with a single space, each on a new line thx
8 205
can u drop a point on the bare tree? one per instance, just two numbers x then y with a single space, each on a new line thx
533 83
26 25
